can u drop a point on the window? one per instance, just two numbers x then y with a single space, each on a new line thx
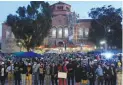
66 32
7 34
53 33
59 35
86 32
60 7
80 33
68 9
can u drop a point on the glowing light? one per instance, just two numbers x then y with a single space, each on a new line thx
107 55
102 42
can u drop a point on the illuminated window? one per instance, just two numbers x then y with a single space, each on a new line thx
66 32
80 33
54 33
86 32
59 33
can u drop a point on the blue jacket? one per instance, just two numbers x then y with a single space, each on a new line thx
99 71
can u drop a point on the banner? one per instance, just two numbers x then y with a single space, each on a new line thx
62 75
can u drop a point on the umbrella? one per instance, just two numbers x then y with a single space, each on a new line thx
30 54
18 54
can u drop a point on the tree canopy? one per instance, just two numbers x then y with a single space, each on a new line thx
106 24
31 24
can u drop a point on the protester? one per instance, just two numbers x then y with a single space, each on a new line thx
99 72
45 70
113 74
41 73
2 73
29 75
84 75
23 70
35 68
54 73
10 72
47 74
91 75
107 75
70 73
17 75
78 71
60 80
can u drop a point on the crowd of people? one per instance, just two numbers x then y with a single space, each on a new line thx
44 71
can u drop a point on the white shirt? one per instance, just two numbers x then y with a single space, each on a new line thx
2 72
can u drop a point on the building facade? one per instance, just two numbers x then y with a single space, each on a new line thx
8 44
67 28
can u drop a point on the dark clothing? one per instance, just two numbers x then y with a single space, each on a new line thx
2 80
91 76
84 74
100 80
107 76
23 69
17 75
113 76
41 78
41 74
70 75
54 72
77 74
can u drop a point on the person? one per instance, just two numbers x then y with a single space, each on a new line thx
70 73
64 69
119 76
91 75
47 74
99 72
113 74
84 75
23 70
10 71
2 73
35 68
54 73
107 75
17 75
60 80
77 74
29 75
41 73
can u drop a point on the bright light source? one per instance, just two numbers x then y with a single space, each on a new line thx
107 55
102 42
95 60
109 30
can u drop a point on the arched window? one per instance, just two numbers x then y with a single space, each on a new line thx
54 33
59 35
80 33
86 32
65 32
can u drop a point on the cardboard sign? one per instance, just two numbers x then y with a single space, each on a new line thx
62 75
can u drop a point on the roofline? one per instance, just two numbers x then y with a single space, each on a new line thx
58 3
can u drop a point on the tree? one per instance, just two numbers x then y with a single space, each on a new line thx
31 24
106 24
